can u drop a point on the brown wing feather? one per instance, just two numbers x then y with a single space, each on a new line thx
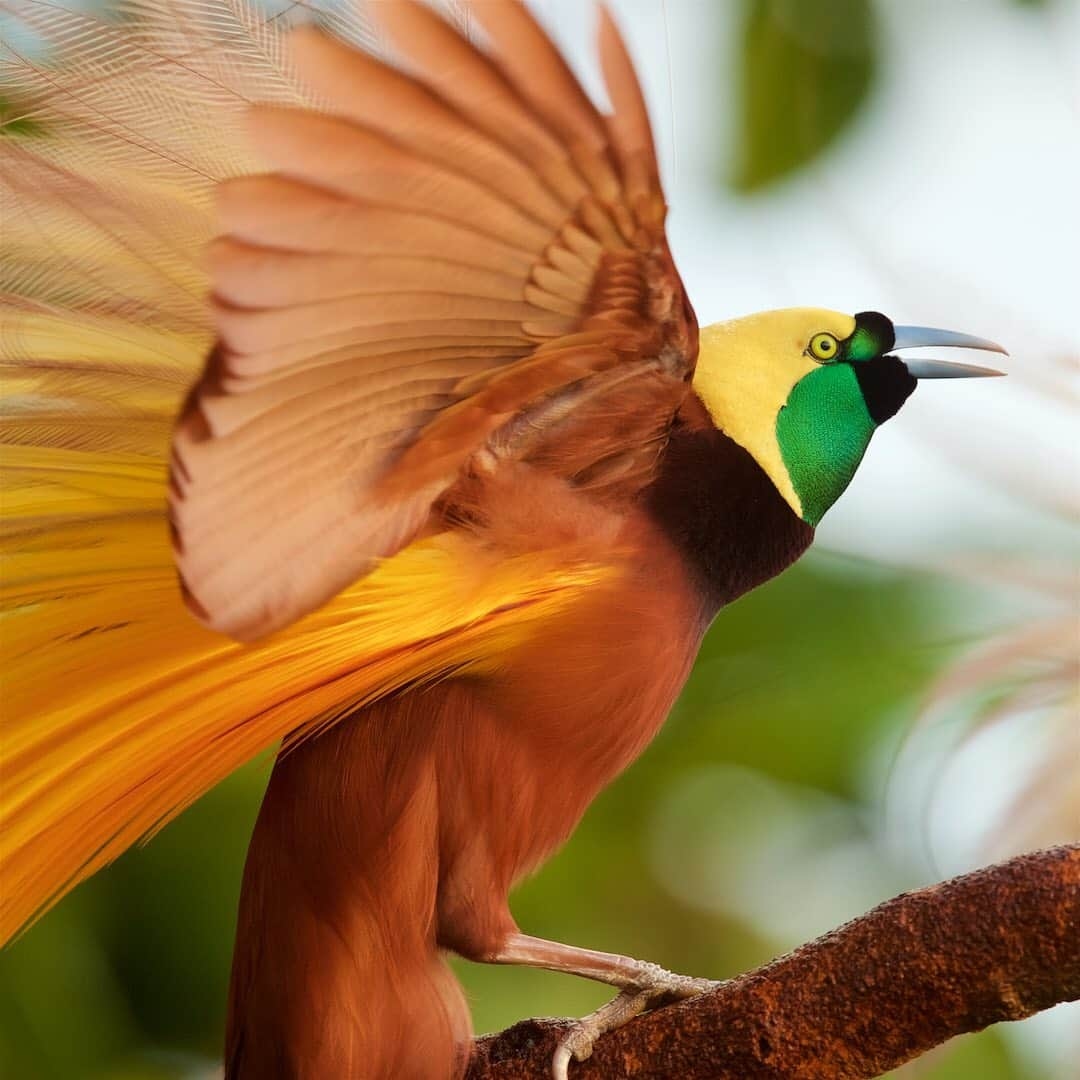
457 254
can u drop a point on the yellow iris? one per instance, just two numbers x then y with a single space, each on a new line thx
824 347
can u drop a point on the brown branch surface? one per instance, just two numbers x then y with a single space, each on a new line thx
999 944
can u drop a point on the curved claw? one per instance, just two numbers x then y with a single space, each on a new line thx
560 1062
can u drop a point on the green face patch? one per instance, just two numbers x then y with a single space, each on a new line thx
823 431
864 344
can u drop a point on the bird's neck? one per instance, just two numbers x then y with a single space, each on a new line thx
721 510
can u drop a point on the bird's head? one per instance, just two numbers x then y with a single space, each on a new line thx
802 390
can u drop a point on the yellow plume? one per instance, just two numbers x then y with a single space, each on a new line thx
118 709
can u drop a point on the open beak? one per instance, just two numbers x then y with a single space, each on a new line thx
926 337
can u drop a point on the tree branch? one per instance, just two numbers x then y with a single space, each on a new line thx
999 944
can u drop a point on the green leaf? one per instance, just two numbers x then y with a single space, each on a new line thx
805 67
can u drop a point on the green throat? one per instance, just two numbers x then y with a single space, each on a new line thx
823 432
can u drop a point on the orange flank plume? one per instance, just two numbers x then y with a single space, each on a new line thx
122 710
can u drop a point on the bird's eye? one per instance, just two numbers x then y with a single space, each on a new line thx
824 347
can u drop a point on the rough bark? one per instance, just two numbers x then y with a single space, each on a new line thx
998 944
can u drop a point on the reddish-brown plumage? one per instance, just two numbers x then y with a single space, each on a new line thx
335 973
401 830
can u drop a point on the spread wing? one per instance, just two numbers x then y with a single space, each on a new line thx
459 253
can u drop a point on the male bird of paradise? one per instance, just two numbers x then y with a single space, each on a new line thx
455 497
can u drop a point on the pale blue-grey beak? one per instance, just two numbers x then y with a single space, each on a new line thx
928 337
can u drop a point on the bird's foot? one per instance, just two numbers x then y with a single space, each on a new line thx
658 987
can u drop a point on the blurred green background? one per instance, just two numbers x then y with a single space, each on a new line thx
786 794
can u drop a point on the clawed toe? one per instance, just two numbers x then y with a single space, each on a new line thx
577 1044
661 987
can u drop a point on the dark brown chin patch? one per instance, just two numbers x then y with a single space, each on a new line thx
732 527
885 384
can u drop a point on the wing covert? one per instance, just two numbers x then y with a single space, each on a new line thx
437 252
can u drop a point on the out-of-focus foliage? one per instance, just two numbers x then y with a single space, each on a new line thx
1033 668
804 68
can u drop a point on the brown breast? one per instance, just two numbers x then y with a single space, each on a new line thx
722 513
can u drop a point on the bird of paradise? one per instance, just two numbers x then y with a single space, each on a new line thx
452 497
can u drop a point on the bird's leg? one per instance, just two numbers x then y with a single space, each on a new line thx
642 986
622 971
